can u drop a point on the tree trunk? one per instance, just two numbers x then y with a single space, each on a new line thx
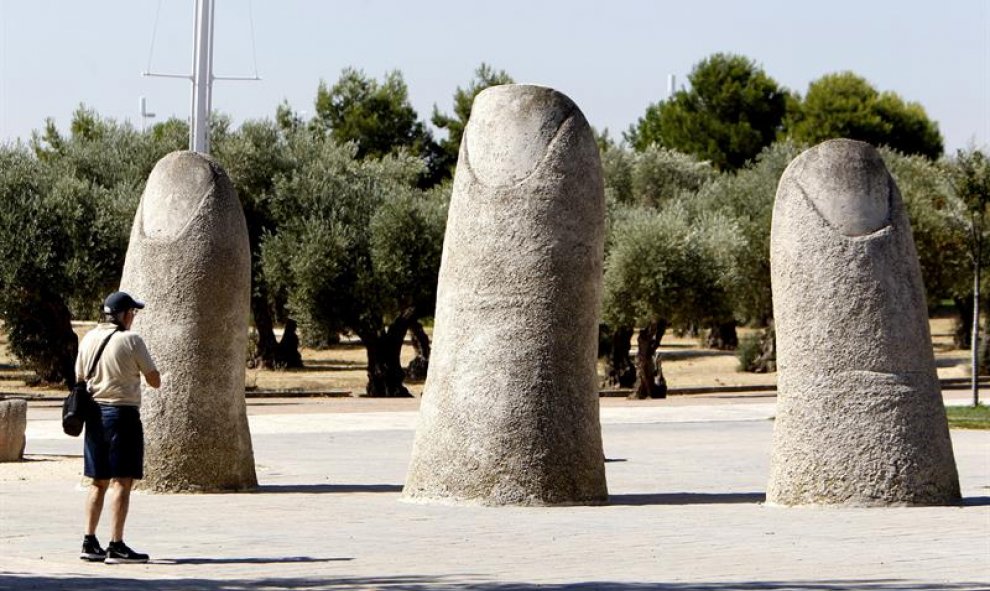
620 370
964 324
41 335
385 373
722 336
649 374
266 346
421 344
287 352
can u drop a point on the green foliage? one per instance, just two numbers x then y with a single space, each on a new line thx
57 244
652 177
68 208
376 117
971 179
747 198
846 105
967 210
484 77
357 243
748 352
941 243
732 111
757 352
669 266
617 171
659 175
98 173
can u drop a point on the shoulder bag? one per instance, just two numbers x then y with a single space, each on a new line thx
79 405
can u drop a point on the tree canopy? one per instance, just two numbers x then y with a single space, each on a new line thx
377 118
845 105
484 77
358 249
731 112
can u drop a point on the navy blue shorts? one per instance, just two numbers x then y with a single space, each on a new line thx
114 444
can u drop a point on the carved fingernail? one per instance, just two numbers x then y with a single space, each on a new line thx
849 185
510 128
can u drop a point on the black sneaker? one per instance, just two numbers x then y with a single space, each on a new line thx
119 553
91 550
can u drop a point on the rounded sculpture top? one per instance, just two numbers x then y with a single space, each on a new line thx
175 190
848 184
510 129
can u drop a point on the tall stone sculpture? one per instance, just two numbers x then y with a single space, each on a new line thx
509 414
860 418
189 260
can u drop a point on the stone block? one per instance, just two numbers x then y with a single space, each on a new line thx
13 423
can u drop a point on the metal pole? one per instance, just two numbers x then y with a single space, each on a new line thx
209 61
202 74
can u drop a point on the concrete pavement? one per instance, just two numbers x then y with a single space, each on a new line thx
686 479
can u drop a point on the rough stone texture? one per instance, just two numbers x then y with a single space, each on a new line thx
509 414
189 259
13 422
860 419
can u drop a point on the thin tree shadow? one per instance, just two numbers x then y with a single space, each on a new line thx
611 460
274 560
683 498
328 488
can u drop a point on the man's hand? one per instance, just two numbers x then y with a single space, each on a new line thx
154 379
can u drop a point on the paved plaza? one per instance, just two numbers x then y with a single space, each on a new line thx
686 476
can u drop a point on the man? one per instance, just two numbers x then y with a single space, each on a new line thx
114 442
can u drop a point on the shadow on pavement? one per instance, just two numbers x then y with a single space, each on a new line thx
328 488
14 581
684 498
273 560
975 501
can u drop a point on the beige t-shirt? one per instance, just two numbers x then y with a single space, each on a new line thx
117 379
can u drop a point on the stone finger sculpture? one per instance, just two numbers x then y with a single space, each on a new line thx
189 260
509 414
860 418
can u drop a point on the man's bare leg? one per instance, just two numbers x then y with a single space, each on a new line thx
94 504
120 500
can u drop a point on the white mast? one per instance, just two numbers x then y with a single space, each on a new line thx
199 140
202 76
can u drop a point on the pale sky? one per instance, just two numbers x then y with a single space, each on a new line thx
612 57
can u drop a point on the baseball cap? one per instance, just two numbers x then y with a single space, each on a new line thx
120 301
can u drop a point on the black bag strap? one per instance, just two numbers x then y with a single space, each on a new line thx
99 353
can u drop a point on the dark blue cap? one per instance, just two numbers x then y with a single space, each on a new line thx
120 301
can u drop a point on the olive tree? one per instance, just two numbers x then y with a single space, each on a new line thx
358 249
254 156
747 197
941 242
664 269
68 203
